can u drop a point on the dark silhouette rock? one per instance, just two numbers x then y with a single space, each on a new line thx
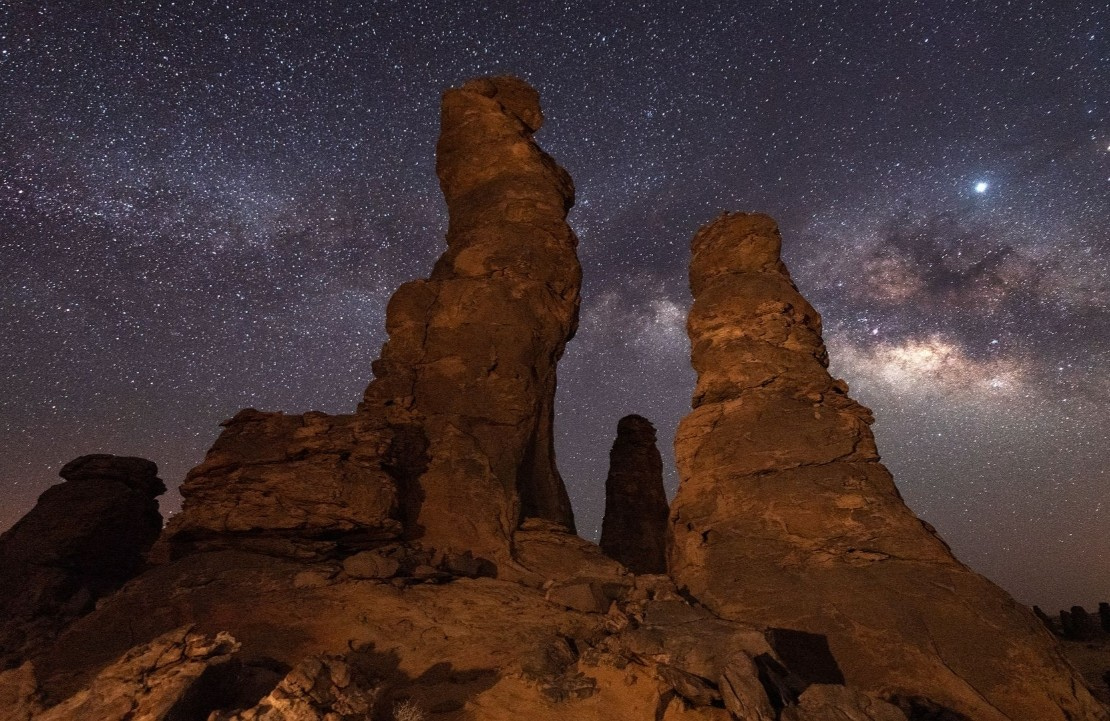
83 539
472 350
1104 616
1067 628
785 518
1046 620
1084 626
635 527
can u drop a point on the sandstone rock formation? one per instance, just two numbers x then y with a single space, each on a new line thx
785 517
309 485
635 526
452 445
472 350
416 558
82 540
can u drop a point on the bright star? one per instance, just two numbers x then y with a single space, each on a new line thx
981 187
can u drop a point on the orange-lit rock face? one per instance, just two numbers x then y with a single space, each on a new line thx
785 517
472 350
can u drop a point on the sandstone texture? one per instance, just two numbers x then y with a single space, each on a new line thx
226 635
298 485
786 518
634 530
82 540
471 355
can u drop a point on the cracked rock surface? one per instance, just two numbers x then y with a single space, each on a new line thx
785 517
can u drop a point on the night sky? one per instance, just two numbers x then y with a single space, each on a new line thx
205 207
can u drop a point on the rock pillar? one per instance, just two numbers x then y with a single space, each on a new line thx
469 366
635 525
785 517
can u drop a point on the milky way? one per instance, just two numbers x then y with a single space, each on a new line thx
206 207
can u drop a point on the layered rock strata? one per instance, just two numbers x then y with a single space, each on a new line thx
82 540
304 486
472 350
786 518
634 529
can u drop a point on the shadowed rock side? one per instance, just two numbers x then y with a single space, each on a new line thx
82 540
635 527
472 350
784 516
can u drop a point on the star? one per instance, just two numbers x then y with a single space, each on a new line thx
981 187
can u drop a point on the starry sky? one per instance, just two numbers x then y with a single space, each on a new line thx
205 206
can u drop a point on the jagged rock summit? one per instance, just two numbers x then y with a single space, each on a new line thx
634 529
785 517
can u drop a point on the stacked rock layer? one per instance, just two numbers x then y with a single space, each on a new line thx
785 517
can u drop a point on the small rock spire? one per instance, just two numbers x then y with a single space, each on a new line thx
635 526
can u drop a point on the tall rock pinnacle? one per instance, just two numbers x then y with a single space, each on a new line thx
635 525
472 350
785 517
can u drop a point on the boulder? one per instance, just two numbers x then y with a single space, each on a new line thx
321 688
305 486
82 540
825 702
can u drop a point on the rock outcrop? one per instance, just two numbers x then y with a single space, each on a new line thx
452 446
634 530
785 517
304 486
82 540
472 350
